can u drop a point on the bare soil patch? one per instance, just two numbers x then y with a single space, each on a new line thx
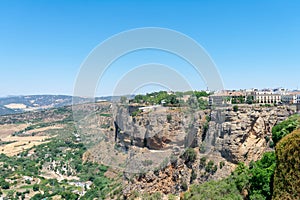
8 129
19 144
16 106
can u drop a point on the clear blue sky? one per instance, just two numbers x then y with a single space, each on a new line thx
42 43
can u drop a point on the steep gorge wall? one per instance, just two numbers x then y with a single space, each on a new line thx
243 135
160 129
232 137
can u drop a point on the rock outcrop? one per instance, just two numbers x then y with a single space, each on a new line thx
160 129
243 135
168 180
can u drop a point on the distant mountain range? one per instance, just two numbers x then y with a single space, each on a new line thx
19 104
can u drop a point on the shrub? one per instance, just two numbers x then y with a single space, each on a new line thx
136 113
193 176
207 117
35 187
271 144
171 197
209 167
202 147
169 118
235 108
184 186
267 138
189 156
154 196
4 185
284 128
214 169
221 164
202 162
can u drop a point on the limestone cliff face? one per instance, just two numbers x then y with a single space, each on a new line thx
244 135
159 129
168 180
239 136
154 139
231 137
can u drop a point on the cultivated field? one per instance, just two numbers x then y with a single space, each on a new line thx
13 145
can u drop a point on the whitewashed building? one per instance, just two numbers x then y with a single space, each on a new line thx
267 96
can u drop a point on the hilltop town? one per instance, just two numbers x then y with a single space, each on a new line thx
263 96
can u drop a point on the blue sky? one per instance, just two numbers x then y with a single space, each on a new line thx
255 44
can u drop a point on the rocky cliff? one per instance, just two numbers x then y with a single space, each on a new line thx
232 136
159 129
243 135
148 144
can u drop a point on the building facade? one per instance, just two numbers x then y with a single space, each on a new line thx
289 99
298 99
267 98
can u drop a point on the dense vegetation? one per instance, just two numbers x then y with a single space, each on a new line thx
195 99
238 100
284 128
287 173
253 182
256 181
62 155
223 189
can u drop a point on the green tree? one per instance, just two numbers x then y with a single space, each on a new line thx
285 127
202 162
209 166
199 94
169 118
35 187
10 194
286 178
202 104
261 176
69 195
241 177
235 108
249 99
4 185
189 156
